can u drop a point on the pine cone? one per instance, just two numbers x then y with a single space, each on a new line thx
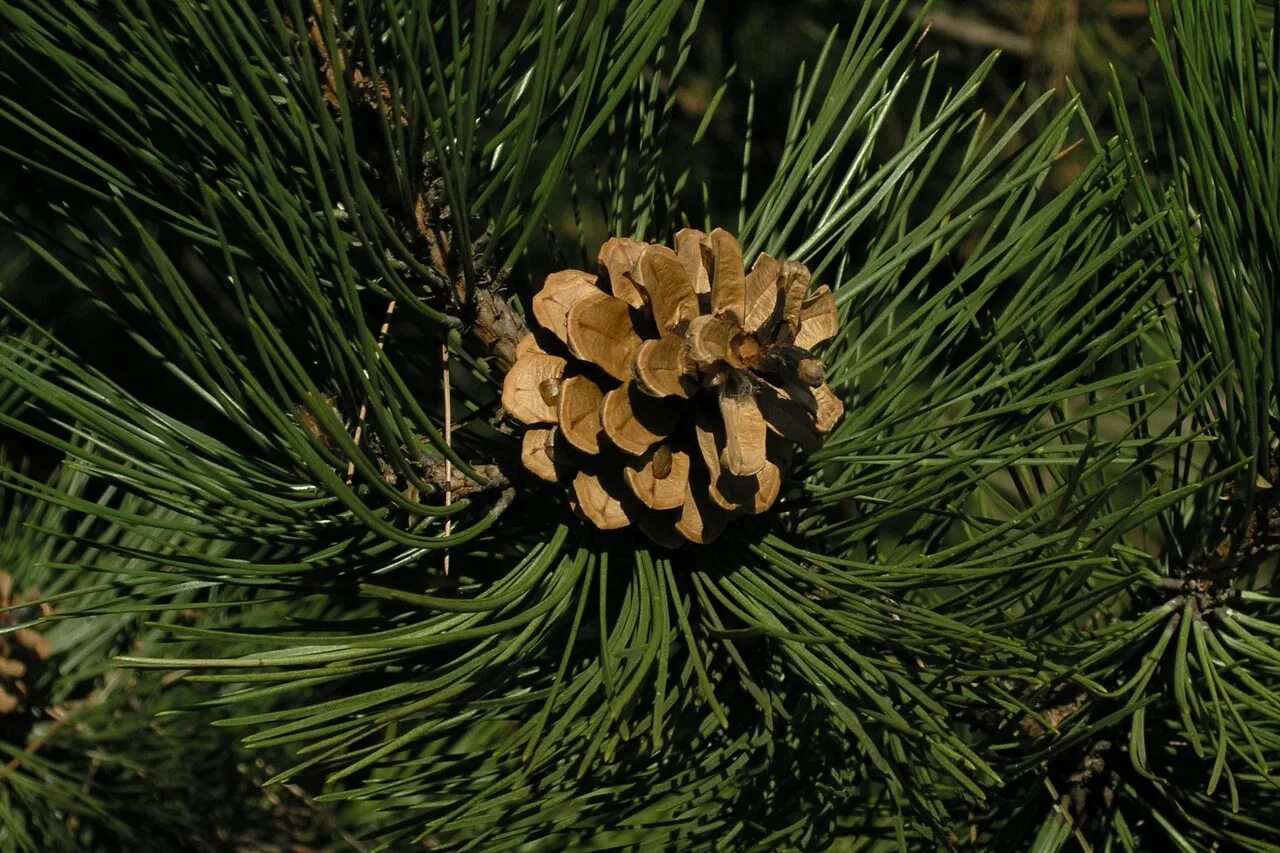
22 655
672 387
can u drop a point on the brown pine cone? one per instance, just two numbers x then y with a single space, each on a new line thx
672 387
22 653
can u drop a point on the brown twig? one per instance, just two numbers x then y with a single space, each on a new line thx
1054 26
495 324
977 33
442 473
498 326
32 748
62 717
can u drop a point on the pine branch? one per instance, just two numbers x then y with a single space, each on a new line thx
987 608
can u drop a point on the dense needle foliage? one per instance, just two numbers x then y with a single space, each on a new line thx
255 463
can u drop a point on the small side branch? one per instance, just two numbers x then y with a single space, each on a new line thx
977 33
498 326
457 484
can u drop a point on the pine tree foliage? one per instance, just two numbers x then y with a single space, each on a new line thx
1019 599
94 765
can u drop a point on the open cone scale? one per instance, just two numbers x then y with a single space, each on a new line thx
667 391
